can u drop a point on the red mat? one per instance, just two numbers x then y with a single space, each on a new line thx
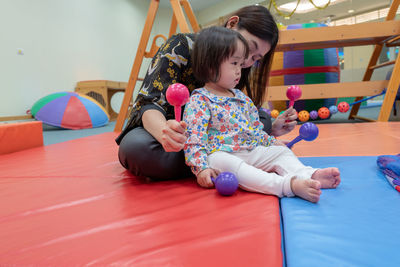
73 204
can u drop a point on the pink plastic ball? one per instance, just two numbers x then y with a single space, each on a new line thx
343 107
293 92
177 94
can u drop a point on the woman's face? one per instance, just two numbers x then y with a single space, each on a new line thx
258 48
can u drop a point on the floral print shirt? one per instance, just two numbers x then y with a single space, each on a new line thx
217 123
171 64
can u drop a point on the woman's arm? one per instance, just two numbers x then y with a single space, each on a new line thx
284 123
169 133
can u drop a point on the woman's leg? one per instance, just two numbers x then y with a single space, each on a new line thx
142 155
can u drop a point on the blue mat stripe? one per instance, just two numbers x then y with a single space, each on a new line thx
353 225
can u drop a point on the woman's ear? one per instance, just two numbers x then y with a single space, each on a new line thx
232 22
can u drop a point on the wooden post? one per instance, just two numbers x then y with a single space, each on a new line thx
178 18
148 25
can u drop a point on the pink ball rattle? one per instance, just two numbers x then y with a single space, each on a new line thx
177 96
293 93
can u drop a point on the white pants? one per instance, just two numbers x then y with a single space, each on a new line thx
266 170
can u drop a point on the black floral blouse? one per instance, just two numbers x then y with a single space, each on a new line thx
171 64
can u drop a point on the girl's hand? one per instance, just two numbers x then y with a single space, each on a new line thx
284 123
204 177
173 136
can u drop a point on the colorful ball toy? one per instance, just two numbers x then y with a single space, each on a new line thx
310 66
314 115
304 116
274 113
226 183
308 131
70 110
293 93
333 109
343 107
177 96
323 113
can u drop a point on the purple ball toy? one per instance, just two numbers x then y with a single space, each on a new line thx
308 131
226 183
313 114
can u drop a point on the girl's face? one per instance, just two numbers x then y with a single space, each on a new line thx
230 69
258 48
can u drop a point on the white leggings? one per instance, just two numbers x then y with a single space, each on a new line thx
266 170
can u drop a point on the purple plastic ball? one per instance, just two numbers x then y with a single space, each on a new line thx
226 183
266 110
333 109
308 131
313 114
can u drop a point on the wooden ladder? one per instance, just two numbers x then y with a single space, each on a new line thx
372 65
375 33
178 19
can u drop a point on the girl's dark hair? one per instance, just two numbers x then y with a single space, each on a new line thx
212 47
258 21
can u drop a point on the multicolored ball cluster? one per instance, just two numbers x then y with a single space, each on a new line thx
322 113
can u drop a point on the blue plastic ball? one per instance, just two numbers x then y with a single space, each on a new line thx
333 109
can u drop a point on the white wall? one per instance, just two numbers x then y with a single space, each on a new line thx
212 13
64 41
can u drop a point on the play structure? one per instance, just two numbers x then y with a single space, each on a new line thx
178 18
294 92
70 110
102 91
309 66
73 204
382 33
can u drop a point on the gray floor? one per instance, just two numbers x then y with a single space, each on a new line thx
53 135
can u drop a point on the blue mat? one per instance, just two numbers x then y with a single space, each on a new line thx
356 224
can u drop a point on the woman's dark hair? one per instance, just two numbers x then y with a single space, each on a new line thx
212 47
258 21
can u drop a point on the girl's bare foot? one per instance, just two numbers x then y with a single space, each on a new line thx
328 177
307 189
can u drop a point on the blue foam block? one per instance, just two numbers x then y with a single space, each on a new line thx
356 224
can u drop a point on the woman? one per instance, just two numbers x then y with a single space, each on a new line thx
151 143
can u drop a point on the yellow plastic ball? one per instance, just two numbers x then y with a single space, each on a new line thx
304 115
274 113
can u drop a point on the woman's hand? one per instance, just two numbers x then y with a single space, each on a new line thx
173 136
204 177
284 123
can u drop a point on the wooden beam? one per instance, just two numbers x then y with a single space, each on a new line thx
337 36
392 88
16 118
180 16
329 90
148 25
190 14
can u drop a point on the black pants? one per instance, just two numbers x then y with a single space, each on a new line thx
142 155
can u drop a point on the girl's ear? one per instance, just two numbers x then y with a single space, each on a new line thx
232 22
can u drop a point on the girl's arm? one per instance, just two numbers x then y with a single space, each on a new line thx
197 116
